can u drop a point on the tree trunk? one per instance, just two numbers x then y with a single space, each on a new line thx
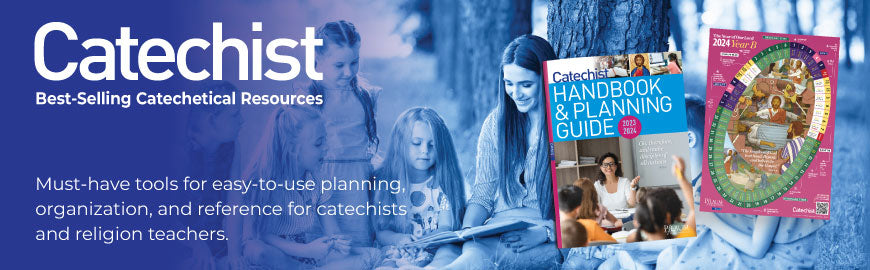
815 19
738 23
676 26
759 5
608 27
794 22
864 23
445 32
487 26
847 34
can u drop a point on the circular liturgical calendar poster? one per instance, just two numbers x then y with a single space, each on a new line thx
761 110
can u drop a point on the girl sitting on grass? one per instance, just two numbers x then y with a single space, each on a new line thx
420 155
292 148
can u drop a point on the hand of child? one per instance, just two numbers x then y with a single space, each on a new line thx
679 168
319 248
523 240
618 223
341 244
686 188
406 239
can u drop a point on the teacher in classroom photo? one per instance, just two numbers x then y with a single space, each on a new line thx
615 191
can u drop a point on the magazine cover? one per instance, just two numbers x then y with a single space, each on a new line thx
770 123
615 123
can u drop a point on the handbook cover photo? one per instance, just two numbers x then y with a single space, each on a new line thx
769 124
615 122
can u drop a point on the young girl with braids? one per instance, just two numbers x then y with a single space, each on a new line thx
348 111
292 149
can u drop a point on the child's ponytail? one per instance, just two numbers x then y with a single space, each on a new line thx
653 209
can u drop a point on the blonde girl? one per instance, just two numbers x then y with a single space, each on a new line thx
291 149
421 155
348 111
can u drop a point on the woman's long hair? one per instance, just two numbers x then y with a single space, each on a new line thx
277 158
343 33
529 52
446 175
